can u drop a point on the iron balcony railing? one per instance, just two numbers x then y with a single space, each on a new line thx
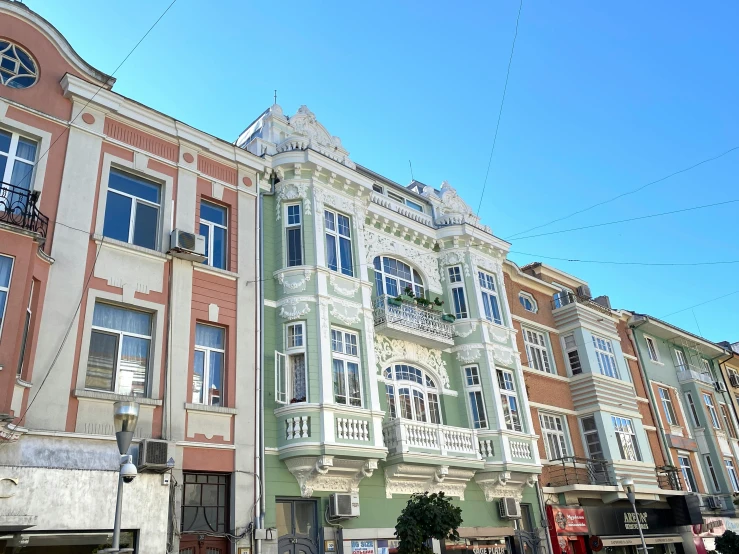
414 318
566 298
668 478
573 470
18 208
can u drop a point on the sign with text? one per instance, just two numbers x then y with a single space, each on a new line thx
568 520
623 521
363 547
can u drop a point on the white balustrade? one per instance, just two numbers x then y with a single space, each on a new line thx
487 448
402 435
521 450
297 427
352 429
413 317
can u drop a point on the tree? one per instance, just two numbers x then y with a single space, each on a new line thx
427 516
728 543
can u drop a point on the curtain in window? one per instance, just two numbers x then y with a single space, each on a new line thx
197 377
134 361
209 337
331 260
101 361
355 398
298 373
215 378
120 319
345 251
6 265
339 388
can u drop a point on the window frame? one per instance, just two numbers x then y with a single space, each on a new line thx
381 277
31 72
284 379
680 360
224 487
393 385
530 297
731 470
207 350
558 435
211 235
457 293
338 236
686 468
135 200
513 419
624 427
726 417
345 356
568 350
472 381
587 432
6 290
489 301
712 473
711 409
531 347
667 407
602 355
289 228
26 331
13 158
693 410
652 349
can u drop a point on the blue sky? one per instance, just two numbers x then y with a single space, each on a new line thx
602 99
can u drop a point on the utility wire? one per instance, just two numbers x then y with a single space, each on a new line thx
700 304
629 219
707 160
610 262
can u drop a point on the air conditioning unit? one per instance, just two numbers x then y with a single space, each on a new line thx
509 508
583 291
714 503
153 456
720 386
341 505
734 380
188 246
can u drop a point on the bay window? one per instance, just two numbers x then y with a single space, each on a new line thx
509 400
132 209
338 243
489 297
345 353
412 394
473 387
627 443
209 365
457 288
605 357
393 277
290 370
294 235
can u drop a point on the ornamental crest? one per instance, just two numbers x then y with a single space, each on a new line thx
391 350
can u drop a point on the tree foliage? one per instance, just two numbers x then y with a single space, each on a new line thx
427 516
728 543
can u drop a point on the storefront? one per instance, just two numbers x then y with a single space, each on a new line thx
705 535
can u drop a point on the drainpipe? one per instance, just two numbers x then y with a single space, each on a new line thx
724 372
652 401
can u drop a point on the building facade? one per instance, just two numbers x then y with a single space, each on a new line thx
390 356
98 303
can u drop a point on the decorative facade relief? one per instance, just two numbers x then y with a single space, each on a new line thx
503 355
323 305
501 484
468 353
455 257
327 473
346 312
450 209
344 287
493 265
292 280
318 138
294 307
378 244
389 350
465 329
409 479
292 191
498 334
355 207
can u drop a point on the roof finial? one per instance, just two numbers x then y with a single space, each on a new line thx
411 166
275 96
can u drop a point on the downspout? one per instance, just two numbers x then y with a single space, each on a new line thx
652 400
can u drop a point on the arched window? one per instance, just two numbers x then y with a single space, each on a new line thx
393 276
411 394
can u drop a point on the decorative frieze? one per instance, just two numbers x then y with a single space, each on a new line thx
453 257
327 473
468 353
344 287
502 484
294 307
293 280
378 244
292 191
391 350
413 478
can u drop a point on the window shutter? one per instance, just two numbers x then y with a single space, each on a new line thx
280 378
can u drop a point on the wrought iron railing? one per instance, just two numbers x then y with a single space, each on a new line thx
388 310
565 298
574 470
668 478
18 207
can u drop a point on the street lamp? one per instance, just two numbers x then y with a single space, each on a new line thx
125 417
628 485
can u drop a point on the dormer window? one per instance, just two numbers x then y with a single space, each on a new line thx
17 68
399 199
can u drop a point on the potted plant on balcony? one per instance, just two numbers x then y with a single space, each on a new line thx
449 318
408 295
427 516
397 301
422 302
437 305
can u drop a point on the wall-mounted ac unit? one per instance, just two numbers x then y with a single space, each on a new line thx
187 245
720 386
714 503
342 505
509 508
153 456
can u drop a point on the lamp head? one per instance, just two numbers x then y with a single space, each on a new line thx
628 485
125 416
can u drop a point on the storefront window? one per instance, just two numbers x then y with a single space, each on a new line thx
501 545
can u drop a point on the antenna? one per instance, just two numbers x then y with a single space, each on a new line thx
411 166
275 96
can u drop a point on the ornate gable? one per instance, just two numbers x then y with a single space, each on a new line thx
450 209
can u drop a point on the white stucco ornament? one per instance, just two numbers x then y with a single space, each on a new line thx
292 191
393 350
450 209
379 244
304 123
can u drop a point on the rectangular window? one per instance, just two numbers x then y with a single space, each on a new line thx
294 236
687 472
680 362
712 472
693 410
26 329
214 227
489 297
474 395
17 161
395 197
6 270
713 416
573 355
205 503
509 401
414 205
728 424
210 361
460 303
732 474
120 345
553 429
627 443
605 357
536 350
338 243
290 370
592 440
345 352
132 209
706 365
390 395
664 396
295 335
652 349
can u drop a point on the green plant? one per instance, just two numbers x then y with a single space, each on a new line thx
728 543
438 301
426 516
449 317
422 301
408 292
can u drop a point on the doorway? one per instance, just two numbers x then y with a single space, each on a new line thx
202 544
297 530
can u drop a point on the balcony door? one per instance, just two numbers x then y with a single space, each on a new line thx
297 528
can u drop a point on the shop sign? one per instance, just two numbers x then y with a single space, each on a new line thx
363 547
712 527
568 520
623 521
477 546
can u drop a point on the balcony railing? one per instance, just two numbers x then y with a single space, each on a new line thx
18 208
573 470
566 298
400 319
668 478
403 436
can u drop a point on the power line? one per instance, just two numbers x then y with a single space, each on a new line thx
610 262
629 219
707 160
700 304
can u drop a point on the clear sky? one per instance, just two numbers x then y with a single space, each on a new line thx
602 98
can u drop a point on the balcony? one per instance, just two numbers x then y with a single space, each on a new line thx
687 373
572 470
409 321
567 298
668 478
403 436
18 208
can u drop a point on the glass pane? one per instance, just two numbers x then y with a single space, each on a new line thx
219 247
197 377
328 218
304 518
210 495
390 397
339 383
211 212
283 513
22 173
294 247
192 495
134 186
209 336
331 260
145 226
406 412
5 142
101 361
215 382
343 222
420 405
353 378
6 264
26 149
134 361
117 217
298 377
205 231
120 319
345 247
3 298
3 163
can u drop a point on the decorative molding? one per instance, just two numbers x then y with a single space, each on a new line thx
503 355
316 136
293 307
497 485
389 350
450 209
494 265
412 478
323 304
378 244
349 291
498 335
469 326
292 191
328 473
454 257
293 280
347 312
355 207
468 353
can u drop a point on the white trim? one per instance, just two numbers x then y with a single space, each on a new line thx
545 374
647 340
211 235
530 297
525 321
558 409
6 290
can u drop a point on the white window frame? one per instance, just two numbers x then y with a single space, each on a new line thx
537 343
686 468
349 352
569 349
26 332
416 282
706 365
206 350
403 200
693 410
530 297
473 387
624 429
731 470
605 354
712 413
729 428
712 473
283 364
489 297
652 349
338 236
555 434
6 290
667 406
681 363
291 227
211 235
135 201
12 156
456 283
426 388
509 394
